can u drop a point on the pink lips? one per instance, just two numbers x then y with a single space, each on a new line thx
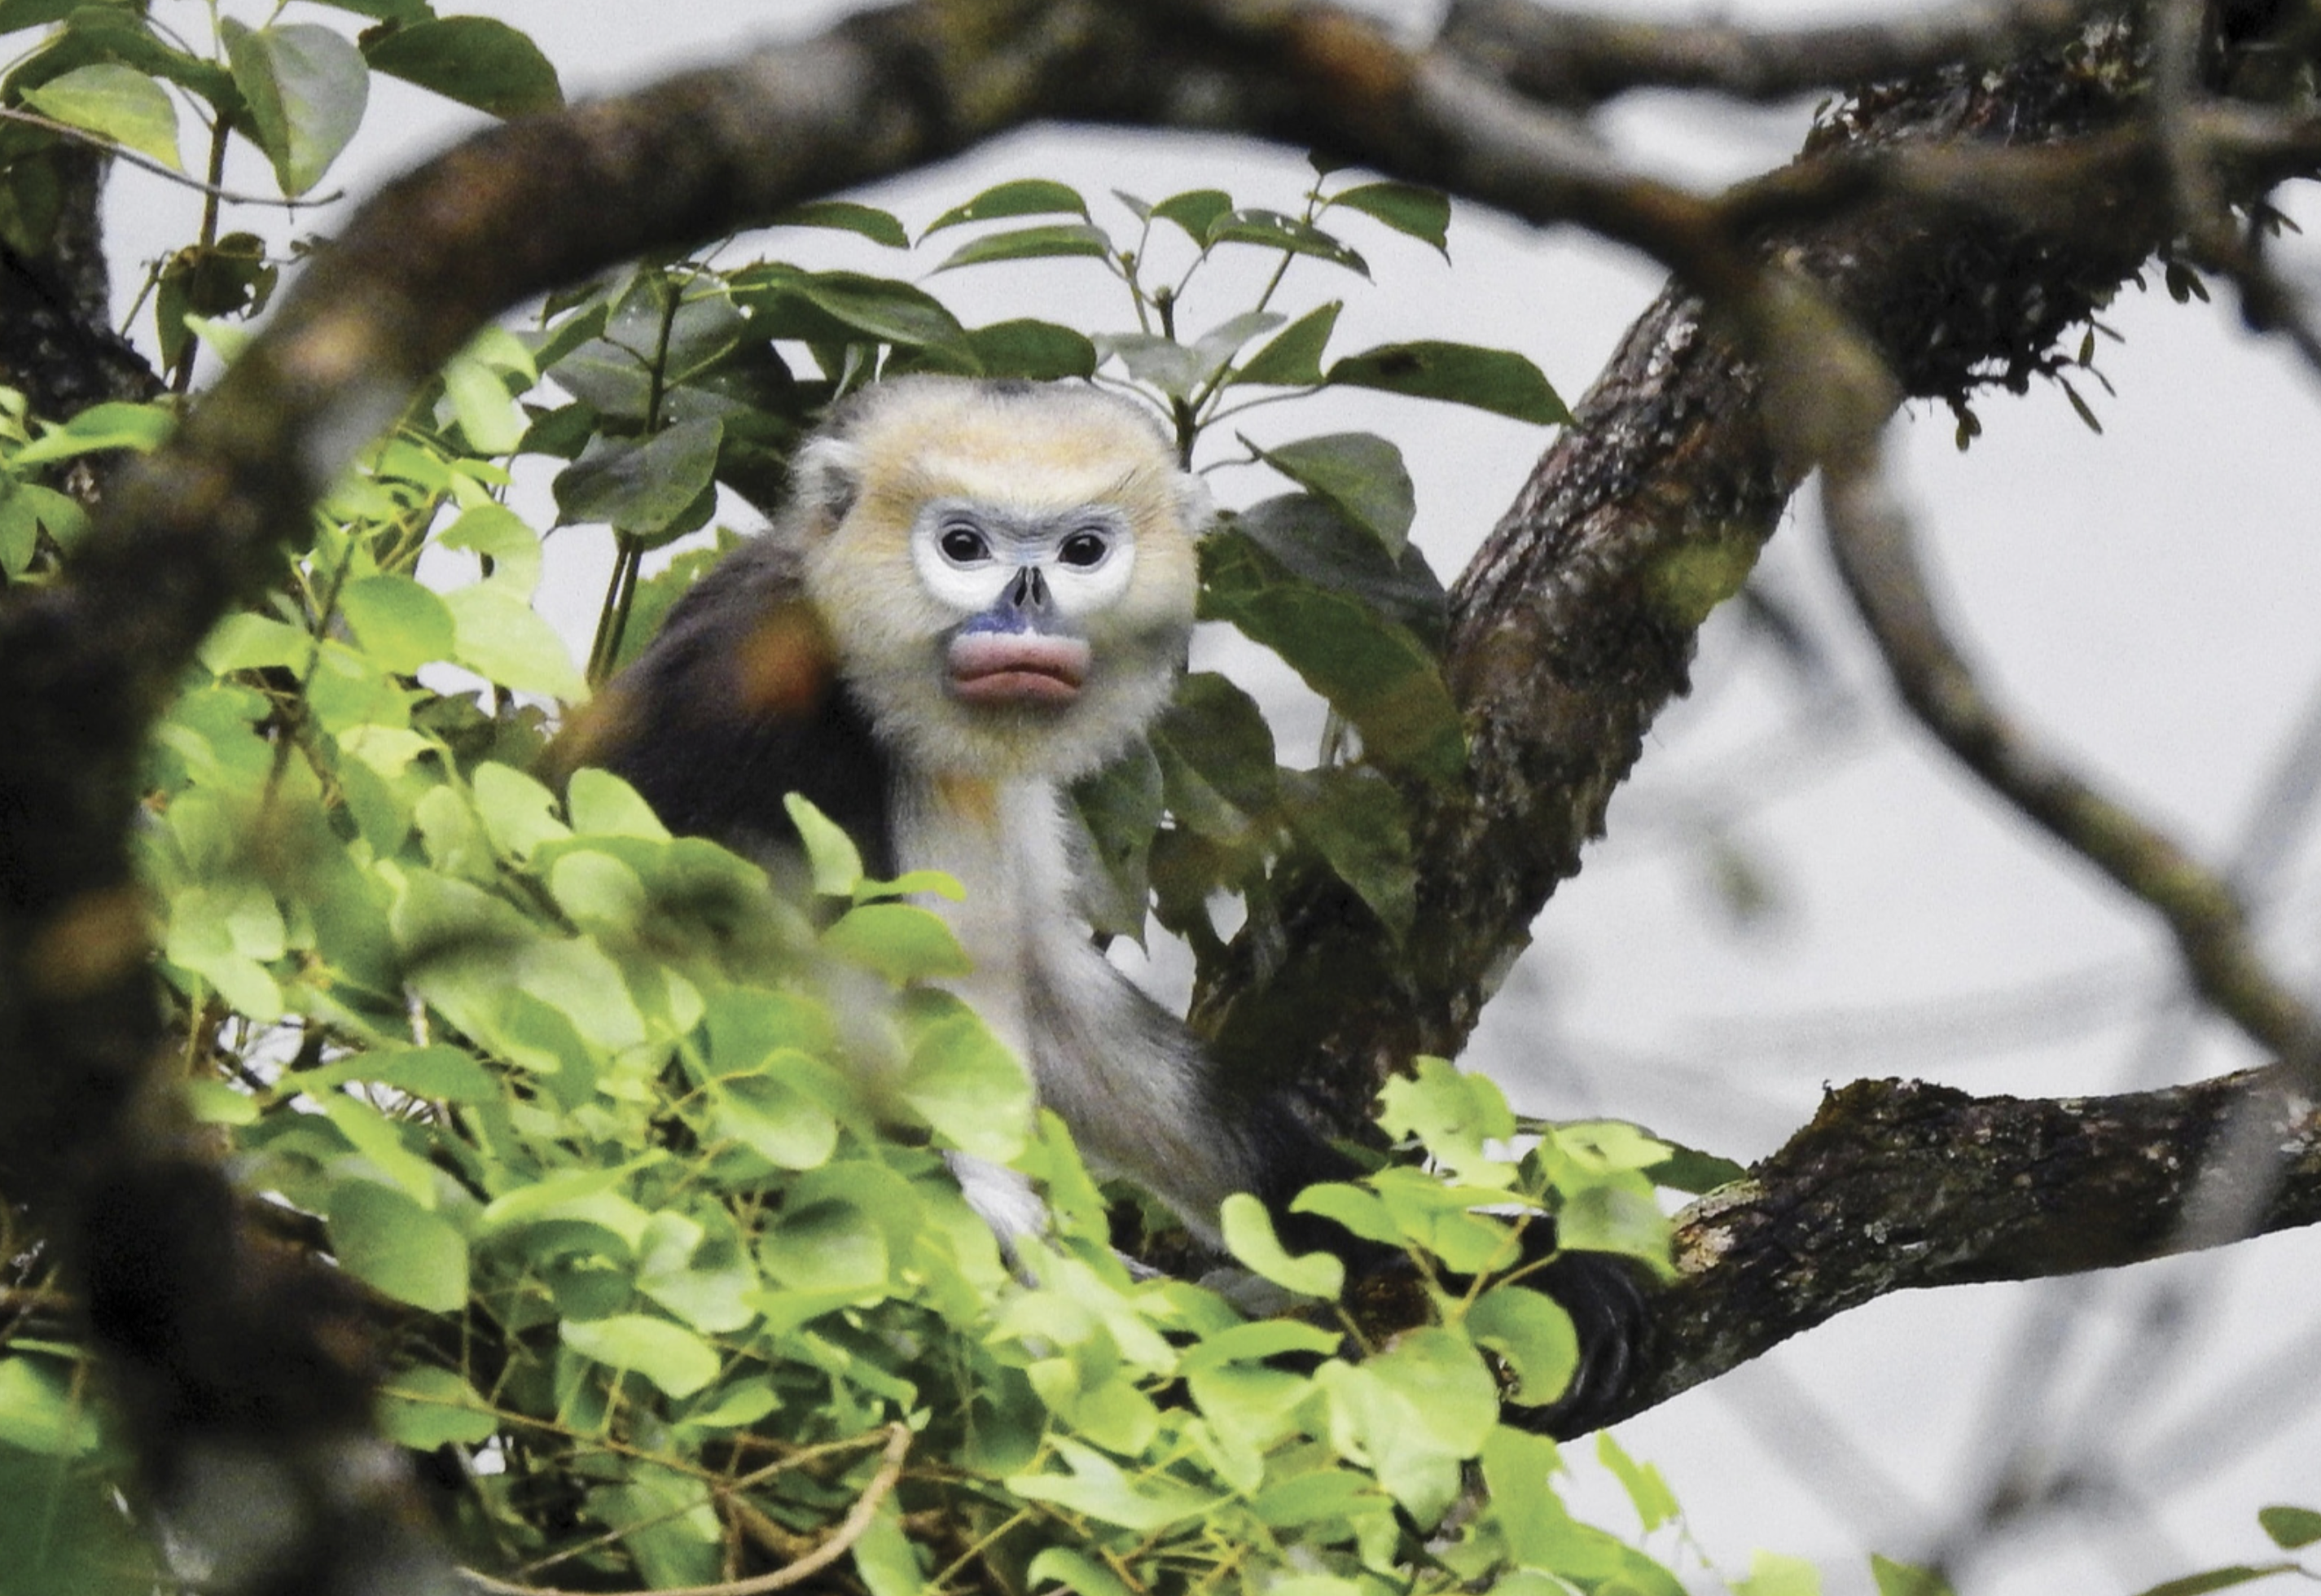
1017 667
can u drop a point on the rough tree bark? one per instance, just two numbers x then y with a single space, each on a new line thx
1962 219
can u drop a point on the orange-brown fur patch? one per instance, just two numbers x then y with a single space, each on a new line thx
784 666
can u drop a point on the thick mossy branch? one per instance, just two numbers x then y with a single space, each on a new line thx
1898 1184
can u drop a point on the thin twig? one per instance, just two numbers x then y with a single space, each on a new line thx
65 129
857 1523
1877 556
2268 304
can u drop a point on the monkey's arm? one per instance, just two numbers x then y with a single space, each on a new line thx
734 704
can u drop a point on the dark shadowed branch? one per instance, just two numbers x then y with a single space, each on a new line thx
1582 58
1898 1184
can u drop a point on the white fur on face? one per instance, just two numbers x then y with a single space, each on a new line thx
1056 545
1028 468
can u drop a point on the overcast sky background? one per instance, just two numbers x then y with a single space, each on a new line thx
2146 596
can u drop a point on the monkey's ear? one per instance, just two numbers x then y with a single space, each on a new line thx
825 479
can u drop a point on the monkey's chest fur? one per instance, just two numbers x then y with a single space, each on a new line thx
1119 1070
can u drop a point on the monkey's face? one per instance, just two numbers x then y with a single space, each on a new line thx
1011 584
1027 584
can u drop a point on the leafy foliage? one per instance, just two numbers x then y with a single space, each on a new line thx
642 1161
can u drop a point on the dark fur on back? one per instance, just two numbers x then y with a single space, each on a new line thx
737 703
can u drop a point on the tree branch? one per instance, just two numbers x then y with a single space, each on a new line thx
1877 558
1898 1184
1573 58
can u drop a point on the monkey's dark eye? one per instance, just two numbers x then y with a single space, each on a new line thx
963 547
1084 550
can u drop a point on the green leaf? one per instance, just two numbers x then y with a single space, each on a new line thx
254 642
1315 543
1422 213
29 510
1026 196
1358 473
827 1246
376 1138
115 424
580 1196
1294 359
402 624
887 1561
1353 817
669 1356
33 13
1648 1492
1377 675
846 307
439 1073
2220 1579
392 1245
120 103
1541 1532
1195 211
773 1118
500 639
1417 1412
1693 1171
475 60
1181 370
1274 230
1323 1494
501 537
1217 757
487 414
517 812
966 1083
1041 351
1498 380
1074 1571
1249 1236
1099 1488
1118 809
1256 1341
644 486
424 1408
1773 1575
602 804
2290 1528
1904 1578
1534 1334
306 87
214 1103
1363 1213
39 1410
698 1271
831 854
901 941
847 216
1454 1113
1055 239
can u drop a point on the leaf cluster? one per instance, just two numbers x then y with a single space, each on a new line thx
642 1161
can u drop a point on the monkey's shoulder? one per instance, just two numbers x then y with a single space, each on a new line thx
737 703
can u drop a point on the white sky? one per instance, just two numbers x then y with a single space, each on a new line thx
2147 596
